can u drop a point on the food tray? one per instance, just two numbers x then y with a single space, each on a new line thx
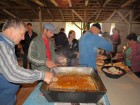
55 95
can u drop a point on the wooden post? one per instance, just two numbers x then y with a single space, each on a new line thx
40 21
130 22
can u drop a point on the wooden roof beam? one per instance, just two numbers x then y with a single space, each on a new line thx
38 2
127 14
27 4
4 3
111 15
76 25
40 20
77 15
86 2
54 2
98 3
20 2
107 1
61 14
136 17
127 3
92 15
70 4
50 15
98 14
9 13
123 17
72 16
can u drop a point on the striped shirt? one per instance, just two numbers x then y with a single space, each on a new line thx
10 69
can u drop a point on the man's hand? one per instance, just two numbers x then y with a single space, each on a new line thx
48 77
50 64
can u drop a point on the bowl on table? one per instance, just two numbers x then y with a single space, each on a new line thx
113 71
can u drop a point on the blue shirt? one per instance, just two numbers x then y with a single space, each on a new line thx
88 45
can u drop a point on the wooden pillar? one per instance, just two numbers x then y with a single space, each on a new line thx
40 20
130 22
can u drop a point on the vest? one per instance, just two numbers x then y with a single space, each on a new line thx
7 90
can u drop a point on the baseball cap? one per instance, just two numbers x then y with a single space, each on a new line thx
50 27
97 25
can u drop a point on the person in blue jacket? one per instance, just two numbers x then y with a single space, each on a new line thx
89 42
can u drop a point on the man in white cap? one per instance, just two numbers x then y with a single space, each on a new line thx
88 44
41 52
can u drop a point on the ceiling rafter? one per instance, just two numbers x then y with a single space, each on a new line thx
34 11
98 3
123 17
50 14
126 15
127 3
98 14
86 2
4 3
54 2
70 4
92 15
38 2
61 14
136 17
9 13
107 1
20 2
77 15
72 10
111 15
72 16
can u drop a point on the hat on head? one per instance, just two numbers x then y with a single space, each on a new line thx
97 25
50 27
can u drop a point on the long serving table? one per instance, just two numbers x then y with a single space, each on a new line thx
122 91
36 98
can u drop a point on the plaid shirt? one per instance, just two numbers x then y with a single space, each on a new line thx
9 67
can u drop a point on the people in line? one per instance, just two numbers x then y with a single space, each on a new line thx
84 31
1 25
29 36
41 52
61 39
68 55
126 55
135 53
73 46
73 42
116 40
88 45
106 36
11 74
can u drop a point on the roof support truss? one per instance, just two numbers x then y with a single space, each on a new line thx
9 13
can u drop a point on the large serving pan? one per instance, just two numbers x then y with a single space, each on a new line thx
75 96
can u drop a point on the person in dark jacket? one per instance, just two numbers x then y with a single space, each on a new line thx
29 35
61 39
